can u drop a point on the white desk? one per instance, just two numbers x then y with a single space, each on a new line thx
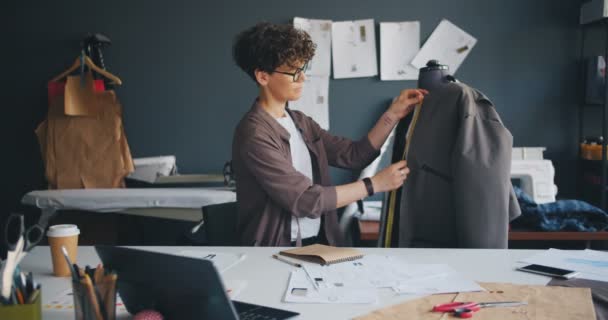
267 278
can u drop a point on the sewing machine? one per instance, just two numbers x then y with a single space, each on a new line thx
533 174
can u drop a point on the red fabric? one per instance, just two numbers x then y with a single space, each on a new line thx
148 315
56 89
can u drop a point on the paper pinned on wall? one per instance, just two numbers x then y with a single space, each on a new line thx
354 49
314 100
320 32
448 44
399 44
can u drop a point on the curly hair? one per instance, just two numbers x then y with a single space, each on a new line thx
267 46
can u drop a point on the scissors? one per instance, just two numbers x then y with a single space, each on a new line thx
466 309
18 241
15 229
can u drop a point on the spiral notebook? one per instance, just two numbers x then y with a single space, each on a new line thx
322 254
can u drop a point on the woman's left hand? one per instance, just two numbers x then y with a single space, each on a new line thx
406 102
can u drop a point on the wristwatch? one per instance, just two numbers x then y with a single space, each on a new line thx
369 186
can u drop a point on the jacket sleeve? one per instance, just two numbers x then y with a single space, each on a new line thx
345 153
481 165
286 186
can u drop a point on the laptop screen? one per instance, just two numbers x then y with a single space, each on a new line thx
178 287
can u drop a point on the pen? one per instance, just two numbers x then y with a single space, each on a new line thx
73 270
19 294
99 272
295 264
33 296
90 292
314 283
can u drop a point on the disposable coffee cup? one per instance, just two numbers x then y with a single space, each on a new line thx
63 235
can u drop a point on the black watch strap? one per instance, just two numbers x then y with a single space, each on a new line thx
369 186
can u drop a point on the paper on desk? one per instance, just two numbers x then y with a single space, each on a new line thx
388 271
591 264
439 279
320 32
350 274
314 101
300 290
399 44
374 271
448 44
221 260
354 49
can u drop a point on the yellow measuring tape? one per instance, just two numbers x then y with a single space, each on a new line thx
392 197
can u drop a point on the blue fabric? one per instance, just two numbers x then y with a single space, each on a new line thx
566 215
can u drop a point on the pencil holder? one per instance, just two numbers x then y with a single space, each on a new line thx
94 302
31 311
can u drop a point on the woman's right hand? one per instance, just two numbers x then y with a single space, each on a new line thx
391 177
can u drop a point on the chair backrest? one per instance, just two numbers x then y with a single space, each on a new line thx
220 224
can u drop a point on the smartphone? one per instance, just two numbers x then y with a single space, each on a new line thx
549 271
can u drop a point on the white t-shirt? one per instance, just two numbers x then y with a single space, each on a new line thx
300 158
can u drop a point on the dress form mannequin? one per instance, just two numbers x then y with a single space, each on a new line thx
433 76
430 78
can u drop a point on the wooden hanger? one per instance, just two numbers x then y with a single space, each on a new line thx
115 80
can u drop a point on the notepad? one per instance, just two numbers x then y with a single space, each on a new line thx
322 254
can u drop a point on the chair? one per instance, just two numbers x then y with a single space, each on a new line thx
220 224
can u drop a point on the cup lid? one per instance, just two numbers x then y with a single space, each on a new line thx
63 230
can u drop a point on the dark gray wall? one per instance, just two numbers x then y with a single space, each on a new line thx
183 95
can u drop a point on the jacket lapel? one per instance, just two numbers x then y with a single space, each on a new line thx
261 114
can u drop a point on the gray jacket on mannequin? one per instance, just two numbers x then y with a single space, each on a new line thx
459 192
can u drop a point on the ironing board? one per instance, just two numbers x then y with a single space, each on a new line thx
169 203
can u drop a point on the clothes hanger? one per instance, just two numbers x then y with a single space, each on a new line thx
87 61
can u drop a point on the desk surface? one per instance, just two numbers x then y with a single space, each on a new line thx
267 278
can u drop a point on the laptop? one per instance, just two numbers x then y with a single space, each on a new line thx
177 287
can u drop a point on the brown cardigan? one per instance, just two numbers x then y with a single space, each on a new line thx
270 190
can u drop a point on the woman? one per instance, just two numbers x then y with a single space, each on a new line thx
281 157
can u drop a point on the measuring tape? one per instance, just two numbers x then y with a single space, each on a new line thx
392 197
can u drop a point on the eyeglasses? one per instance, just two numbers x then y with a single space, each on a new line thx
295 75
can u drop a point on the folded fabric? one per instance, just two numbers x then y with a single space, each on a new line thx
562 215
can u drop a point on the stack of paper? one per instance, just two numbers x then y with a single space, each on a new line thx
356 281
